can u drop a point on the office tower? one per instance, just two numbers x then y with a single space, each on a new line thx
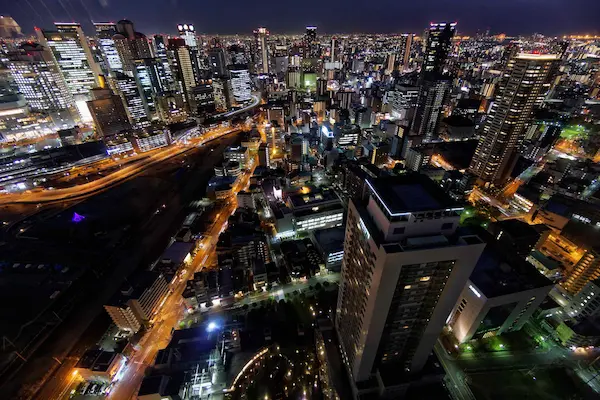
433 95
332 52
186 62
73 56
204 98
310 41
160 51
130 45
391 62
437 48
135 105
150 77
524 84
262 60
404 51
108 112
38 78
9 28
221 94
41 83
405 265
241 85
237 55
188 33
217 62
105 32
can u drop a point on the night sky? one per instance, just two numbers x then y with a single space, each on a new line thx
286 16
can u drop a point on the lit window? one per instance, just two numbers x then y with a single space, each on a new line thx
425 279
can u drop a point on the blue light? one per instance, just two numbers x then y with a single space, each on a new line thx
211 327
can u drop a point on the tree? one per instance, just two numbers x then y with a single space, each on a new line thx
326 284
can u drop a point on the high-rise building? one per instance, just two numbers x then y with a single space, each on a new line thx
237 55
73 56
149 75
310 41
160 51
524 84
405 45
9 28
188 33
433 95
130 45
204 98
105 31
262 56
132 98
437 48
41 83
405 264
221 94
186 62
217 62
108 112
241 85
391 63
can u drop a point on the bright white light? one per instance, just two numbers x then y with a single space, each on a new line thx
211 326
474 291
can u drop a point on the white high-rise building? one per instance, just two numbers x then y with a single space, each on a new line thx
105 32
405 264
188 33
241 85
73 56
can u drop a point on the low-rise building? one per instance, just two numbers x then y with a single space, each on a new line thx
330 244
502 293
239 154
100 365
318 209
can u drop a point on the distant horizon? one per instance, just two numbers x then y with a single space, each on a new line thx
512 17
298 33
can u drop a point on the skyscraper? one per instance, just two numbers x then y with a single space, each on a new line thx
217 62
405 265
130 45
105 31
73 56
524 84
437 48
41 83
108 112
262 59
434 85
135 105
241 85
433 95
310 41
404 49
186 63
188 33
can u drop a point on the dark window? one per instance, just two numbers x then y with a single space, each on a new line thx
399 231
447 225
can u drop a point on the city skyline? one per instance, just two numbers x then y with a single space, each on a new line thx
388 16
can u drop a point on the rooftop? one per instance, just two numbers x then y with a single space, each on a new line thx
498 273
331 239
410 193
